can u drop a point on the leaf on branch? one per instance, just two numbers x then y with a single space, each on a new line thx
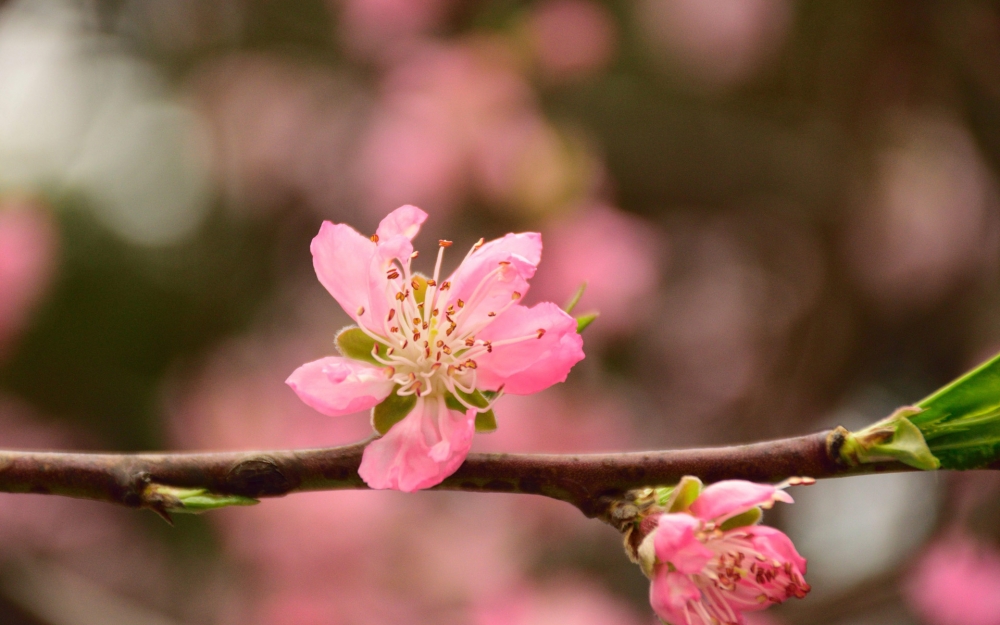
168 499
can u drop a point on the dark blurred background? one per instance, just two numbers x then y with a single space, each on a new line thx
787 213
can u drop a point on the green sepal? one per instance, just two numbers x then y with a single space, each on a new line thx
419 284
893 438
191 500
585 320
485 421
750 517
352 342
680 497
392 410
575 299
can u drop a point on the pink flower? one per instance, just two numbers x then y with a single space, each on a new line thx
572 38
708 561
28 249
431 354
956 582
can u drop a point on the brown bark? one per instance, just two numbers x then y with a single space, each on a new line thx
588 481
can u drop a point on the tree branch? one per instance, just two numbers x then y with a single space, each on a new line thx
591 482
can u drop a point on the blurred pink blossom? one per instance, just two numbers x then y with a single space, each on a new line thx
28 248
435 105
458 121
571 38
955 582
567 601
616 254
718 42
90 538
928 219
559 421
526 164
486 341
384 28
280 130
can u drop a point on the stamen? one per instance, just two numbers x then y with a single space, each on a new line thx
414 254
479 243
541 332
361 310
515 295
446 349
491 314
392 313
431 283
393 274
461 304
444 243
390 371
394 329
470 341
374 238
445 285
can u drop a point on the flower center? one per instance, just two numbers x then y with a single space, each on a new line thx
738 569
430 341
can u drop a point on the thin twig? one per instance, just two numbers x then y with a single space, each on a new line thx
588 481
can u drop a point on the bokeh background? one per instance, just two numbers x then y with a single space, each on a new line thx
787 213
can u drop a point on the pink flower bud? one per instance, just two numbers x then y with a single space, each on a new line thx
709 563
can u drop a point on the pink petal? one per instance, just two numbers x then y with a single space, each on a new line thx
776 545
728 498
669 594
489 278
533 364
405 221
675 542
339 386
421 450
343 259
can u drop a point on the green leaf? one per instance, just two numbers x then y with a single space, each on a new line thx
961 421
192 500
750 517
352 342
486 422
585 320
575 299
392 410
